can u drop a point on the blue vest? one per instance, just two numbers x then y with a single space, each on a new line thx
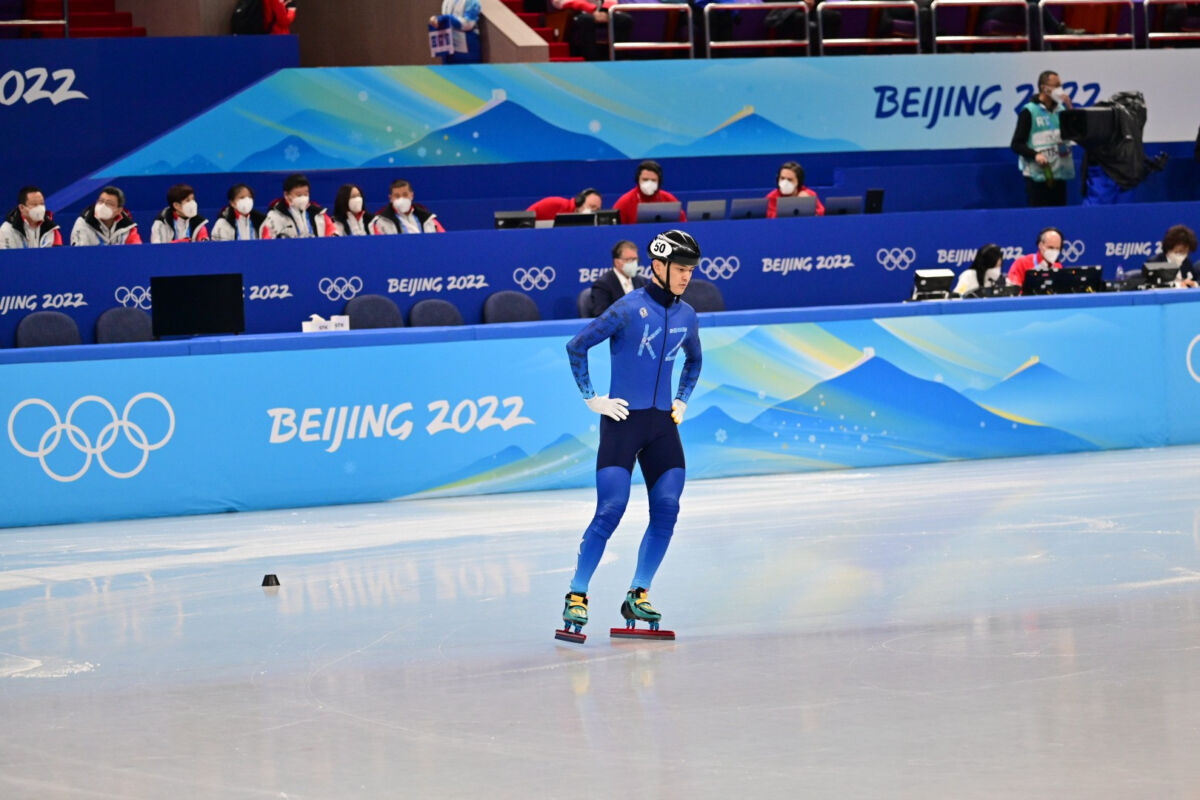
1045 137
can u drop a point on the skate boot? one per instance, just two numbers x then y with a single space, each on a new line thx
637 607
575 615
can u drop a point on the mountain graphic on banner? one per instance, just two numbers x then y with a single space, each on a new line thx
564 462
286 154
749 132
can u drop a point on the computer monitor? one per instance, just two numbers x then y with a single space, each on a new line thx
1037 281
191 305
608 216
874 204
1077 280
835 206
803 206
700 210
932 284
748 208
659 212
508 220
1158 273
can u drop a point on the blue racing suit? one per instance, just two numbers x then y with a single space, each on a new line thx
646 330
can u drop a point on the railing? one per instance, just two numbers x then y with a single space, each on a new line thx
637 8
853 5
30 23
1165 36
1087 38
710 45
1024 38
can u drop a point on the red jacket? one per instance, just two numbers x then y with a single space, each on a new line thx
549 207
277 17
774 196
581 5
629 202
1016 273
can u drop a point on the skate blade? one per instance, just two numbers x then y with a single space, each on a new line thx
567 636
640 633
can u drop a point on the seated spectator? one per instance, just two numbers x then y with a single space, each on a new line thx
789 182
983 273
348 215
591 17
1049 248
648 190
1178 243
623 278
106 222
402 215
586 202
461 17
29 224
180 221
278 16
294 216
238 221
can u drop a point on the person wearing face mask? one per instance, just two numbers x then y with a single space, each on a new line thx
789 182
402 215
180 221
295 216
587 201
648 190
106 222
624 277
1178 244
1049 248
1044 158
349 217
238 221
29 224
983 273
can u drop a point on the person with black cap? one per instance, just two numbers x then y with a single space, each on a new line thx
639 418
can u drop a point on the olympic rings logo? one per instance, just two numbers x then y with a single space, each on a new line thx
79 439
1192 370
1072 250
896 257
340 288
133 297
534 278
720 267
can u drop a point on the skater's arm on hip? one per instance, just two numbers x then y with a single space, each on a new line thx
601 328
692 359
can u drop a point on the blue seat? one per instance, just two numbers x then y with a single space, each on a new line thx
510 306
373 311
585 303
434 312
124 325
703 296
47 329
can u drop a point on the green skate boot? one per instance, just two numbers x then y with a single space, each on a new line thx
575 615
637 607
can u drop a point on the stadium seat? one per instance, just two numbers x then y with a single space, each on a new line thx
510 306
47 329
373 311
124 325
703 296
434 312
585 303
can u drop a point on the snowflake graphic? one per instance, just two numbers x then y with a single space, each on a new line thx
291 153
721 436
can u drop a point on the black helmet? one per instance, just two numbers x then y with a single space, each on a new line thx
675 247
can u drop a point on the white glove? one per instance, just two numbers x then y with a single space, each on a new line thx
678 407
612 407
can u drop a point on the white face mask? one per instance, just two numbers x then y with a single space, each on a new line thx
631 268
786 187
648 187
36 213
300 202
1051 256
991 276
1058 94
188 209
103 212
402 205
245 205
1174 259
355 205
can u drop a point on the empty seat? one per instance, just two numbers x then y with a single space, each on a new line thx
47 329
434 312
703 296
124 325
510 306
585 303
373 311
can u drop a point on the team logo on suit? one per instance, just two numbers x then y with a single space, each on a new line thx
896 257
66 430
534 278
340 288
1072 250
720 267
133 297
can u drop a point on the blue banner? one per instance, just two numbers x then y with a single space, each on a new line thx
373 416
71 106
755 263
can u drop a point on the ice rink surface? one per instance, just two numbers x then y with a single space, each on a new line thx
1001 629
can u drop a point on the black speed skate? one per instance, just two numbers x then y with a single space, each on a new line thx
575 615
637 607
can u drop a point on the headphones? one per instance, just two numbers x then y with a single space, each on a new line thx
582 196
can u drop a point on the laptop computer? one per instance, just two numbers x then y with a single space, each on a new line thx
748 208
835 206
700 210
1076 280
803 206
193 305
